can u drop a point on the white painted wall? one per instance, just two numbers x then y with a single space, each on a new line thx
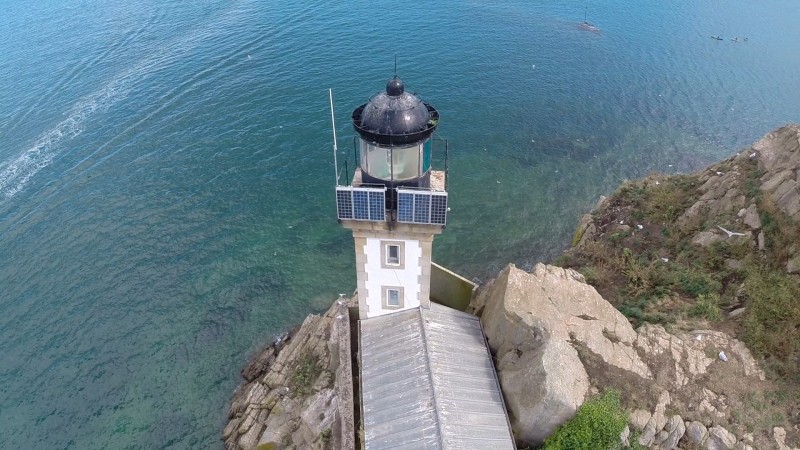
377 276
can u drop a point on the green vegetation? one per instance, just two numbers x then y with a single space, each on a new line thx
771 328
597 426
644 262
707 307
306 373
325 435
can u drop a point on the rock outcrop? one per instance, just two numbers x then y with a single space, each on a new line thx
779 156
530 321
556 339
298 392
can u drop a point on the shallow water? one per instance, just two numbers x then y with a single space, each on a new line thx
166 182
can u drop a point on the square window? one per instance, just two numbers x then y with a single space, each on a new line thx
393 255
392 297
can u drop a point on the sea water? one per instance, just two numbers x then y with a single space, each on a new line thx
166 170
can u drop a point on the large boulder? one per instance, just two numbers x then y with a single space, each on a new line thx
555 339
532 322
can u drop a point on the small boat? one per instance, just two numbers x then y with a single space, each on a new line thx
716 37
588 26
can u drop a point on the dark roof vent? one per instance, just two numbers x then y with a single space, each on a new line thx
395 87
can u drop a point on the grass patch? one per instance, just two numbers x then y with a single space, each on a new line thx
596 426
780 233
772 325
306 373
706 307
325 435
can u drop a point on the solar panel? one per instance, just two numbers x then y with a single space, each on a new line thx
422 208
360 205
355 203
439 209
377 205
405 207
426 207
344 204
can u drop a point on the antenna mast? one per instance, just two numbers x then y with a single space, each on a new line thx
335 149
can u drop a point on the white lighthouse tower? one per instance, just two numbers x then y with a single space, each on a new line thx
396 203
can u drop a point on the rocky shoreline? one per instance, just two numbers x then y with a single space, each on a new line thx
292 390
558 340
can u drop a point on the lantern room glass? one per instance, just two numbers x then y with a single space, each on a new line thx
396 163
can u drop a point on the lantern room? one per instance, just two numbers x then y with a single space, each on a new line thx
394 181
394 130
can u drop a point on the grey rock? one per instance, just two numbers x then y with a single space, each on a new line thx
779 434
624 436
736 313
320 413
259 365
734 264
622 228
584 231
787 187
657 421
648 435
533 321
779 157
696 433
542 377
789 202
639 418
774 180
793 265
720 438
706 238
761 242
751 217
660 437
601 202
675 430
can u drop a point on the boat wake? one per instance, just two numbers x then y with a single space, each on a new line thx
18 170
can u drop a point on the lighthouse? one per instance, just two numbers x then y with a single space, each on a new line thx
426 373
395 203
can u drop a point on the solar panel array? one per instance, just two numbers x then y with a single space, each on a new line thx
427 207
354 203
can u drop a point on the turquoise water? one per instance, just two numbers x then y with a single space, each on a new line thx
166 183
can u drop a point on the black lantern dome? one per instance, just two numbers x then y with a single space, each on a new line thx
395 117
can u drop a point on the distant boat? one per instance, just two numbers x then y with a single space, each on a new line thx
716 37
588 26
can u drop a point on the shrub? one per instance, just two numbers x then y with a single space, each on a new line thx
697 283
772 325
305 374
707 307
597 426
